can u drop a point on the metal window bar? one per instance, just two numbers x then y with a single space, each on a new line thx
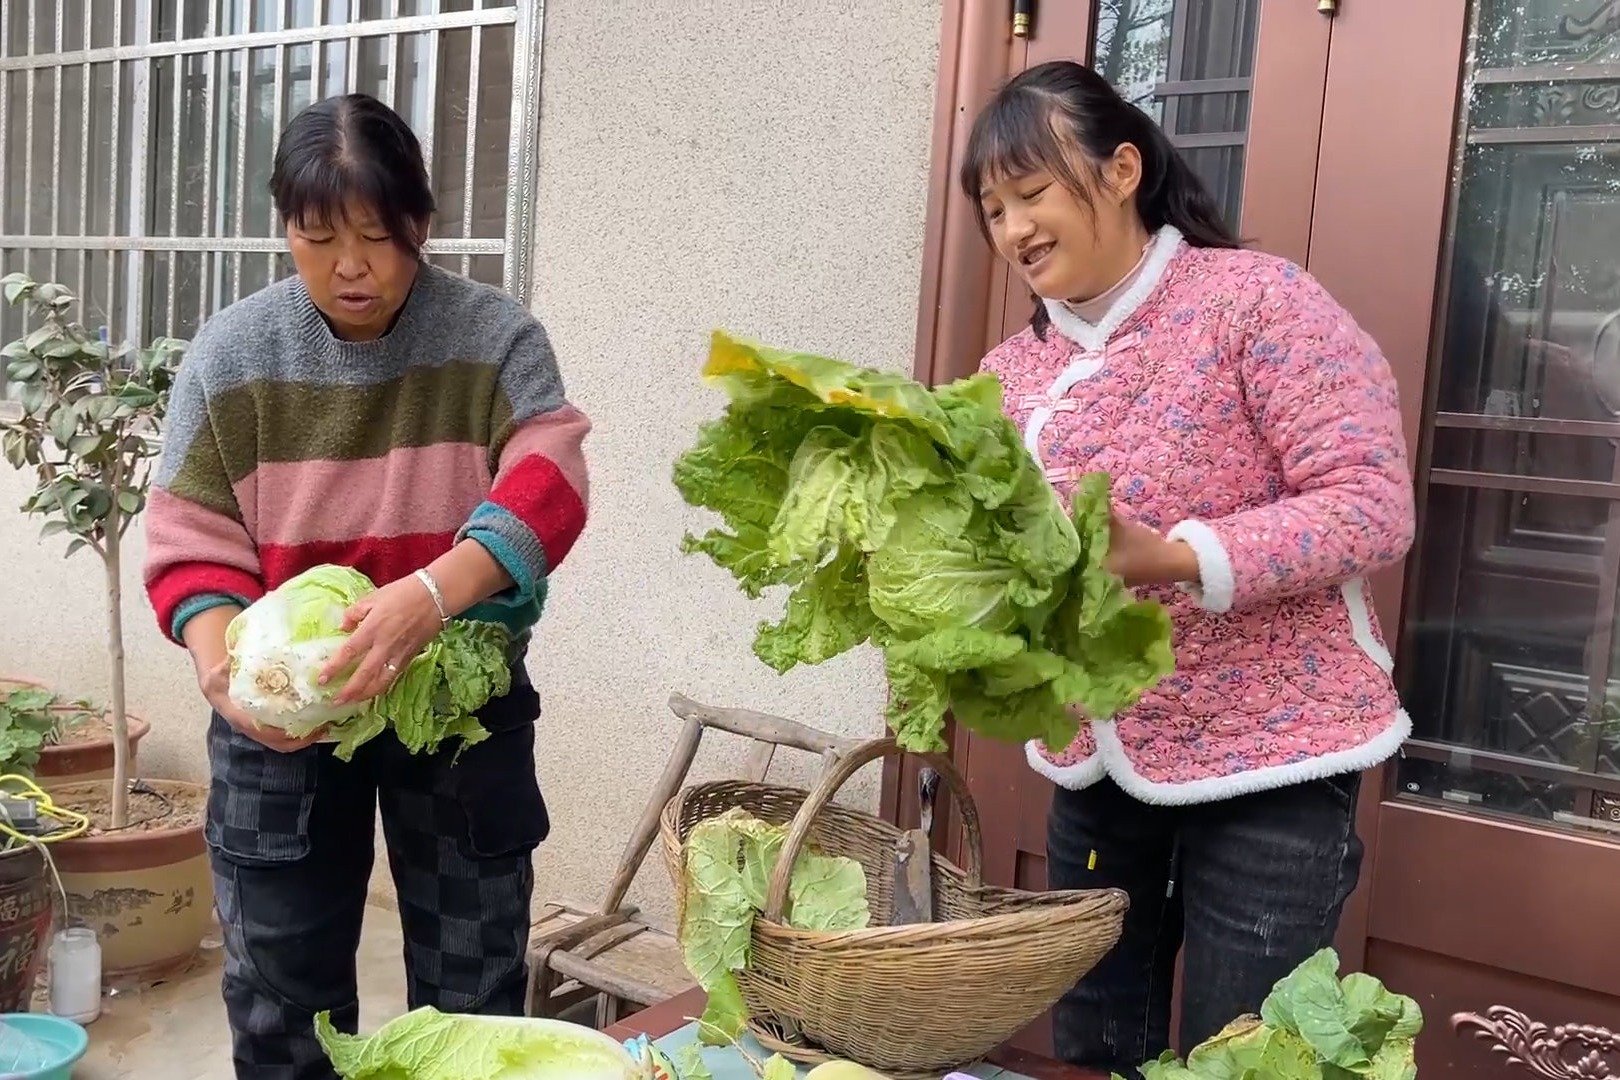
1176 63
1197 87
5 101
56 145
278 91
1473 757
6 316
1539 73
87 82
260 39
28 126
127 242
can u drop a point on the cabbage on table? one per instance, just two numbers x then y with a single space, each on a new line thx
915 518
279 644
1313 1026
426 1044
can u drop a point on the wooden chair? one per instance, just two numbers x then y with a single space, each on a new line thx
1553 1052
610 953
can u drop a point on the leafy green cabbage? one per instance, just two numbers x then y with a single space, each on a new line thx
1313 1026
279 645
729 859
916 519
426 1044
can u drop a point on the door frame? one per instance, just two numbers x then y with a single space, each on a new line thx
960 280
1405 65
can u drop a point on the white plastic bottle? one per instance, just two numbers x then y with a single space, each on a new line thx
76 974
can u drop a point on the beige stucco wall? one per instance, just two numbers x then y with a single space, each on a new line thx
754 165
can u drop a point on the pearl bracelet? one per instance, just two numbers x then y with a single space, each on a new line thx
438 597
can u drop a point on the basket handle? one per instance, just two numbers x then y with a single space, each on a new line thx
842 768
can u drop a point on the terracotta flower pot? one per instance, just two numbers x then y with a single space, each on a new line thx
146 889
85 751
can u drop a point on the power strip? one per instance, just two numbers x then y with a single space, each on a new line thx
22 815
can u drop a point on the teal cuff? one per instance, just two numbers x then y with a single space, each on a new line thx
193 606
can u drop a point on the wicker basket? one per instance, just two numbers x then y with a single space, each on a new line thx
915 1000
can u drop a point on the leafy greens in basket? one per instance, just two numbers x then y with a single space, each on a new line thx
915 518
729 859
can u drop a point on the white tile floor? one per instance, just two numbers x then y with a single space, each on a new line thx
177 1031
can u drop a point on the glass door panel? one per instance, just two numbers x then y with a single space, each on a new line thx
1189 64
1512 680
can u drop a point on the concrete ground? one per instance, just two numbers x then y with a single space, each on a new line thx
176 1031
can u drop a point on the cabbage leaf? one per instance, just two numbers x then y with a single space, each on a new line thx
1313 1026
729 859
426 1044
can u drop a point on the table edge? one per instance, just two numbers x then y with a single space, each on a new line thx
672 1014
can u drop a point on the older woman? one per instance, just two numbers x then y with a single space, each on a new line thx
381 413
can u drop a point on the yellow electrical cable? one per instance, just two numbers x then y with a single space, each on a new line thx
74 823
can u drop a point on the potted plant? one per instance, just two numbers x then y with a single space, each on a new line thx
27 723
78 737
88 430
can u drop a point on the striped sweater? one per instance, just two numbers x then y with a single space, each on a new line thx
287 447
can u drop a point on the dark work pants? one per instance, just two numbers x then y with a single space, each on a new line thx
1250 887
291 839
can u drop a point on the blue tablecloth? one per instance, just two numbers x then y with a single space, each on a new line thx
727 1064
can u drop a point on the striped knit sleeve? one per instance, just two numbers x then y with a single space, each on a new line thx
537 506
199 554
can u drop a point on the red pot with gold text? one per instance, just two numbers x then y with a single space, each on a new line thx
26 908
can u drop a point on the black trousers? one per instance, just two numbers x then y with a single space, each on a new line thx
1249 887
291 839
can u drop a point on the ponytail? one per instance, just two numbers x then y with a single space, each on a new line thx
1172 194
1040 118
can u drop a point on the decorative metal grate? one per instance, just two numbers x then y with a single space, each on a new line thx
136 138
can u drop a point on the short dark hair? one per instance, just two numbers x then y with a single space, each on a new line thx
1046 116
347 149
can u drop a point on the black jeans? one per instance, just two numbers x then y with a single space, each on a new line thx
1250 887
291 838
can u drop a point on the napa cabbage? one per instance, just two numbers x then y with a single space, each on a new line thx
278 646
915 519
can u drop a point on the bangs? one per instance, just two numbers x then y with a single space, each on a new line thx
1023 131
347 156
1015 136
323 194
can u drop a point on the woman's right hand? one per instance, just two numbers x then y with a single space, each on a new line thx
215 683
205 639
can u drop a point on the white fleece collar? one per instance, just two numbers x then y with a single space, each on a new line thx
1091 337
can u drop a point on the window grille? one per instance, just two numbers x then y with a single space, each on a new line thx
136 139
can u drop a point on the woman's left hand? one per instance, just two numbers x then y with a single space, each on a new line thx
1142 557
390 627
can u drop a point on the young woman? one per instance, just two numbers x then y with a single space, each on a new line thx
1254 439
381 413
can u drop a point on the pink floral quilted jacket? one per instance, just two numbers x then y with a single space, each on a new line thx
1239 408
